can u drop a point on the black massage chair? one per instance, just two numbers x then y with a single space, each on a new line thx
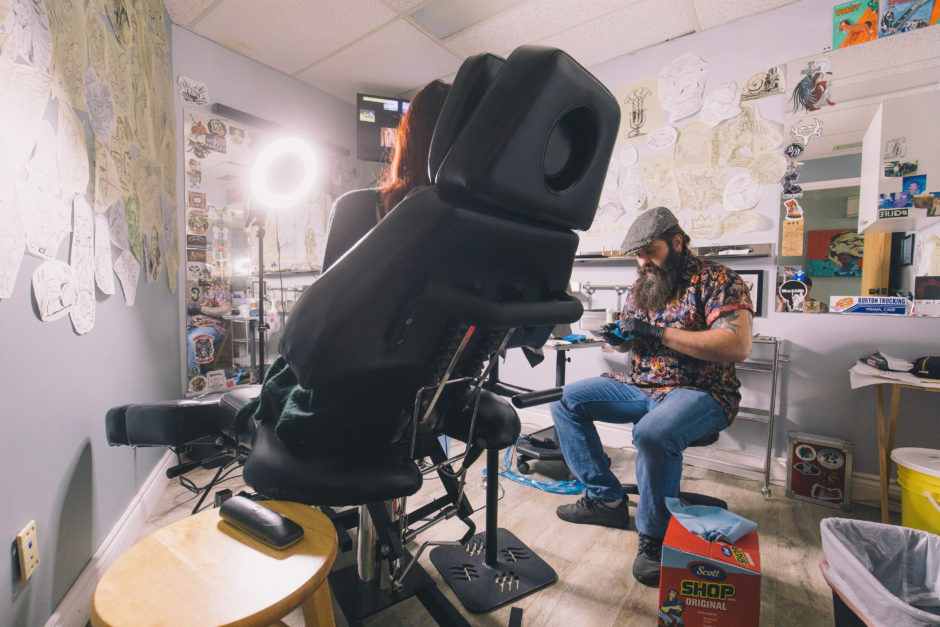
406 325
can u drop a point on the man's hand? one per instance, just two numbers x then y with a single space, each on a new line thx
642 330
607 332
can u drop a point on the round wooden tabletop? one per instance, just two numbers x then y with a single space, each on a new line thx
202 571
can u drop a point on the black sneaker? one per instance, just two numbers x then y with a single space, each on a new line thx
591 511
649 558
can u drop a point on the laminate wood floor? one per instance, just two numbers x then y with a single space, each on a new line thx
595 586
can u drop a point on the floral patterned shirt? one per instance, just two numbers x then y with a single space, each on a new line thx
709 290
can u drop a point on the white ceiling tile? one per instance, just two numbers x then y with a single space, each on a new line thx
391 61
527 23
404 6
183 12
291 34
713 13
641 25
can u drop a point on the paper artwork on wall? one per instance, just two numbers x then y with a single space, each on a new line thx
681 86
47 220
24 92
192 91
663 191
42 169
97 35
107 179
762 84
721 104
693 146
740 193
662 138
169 239
54 289
627 156
12 238
128 272
31 33
132 216
71 153
99 106
813 91
82 261
640 110
834 252
767 168
741 222
104 273
701 190
704 226
791 244
69 50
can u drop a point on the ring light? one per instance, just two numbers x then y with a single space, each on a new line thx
260 172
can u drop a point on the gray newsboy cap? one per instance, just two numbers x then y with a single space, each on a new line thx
651 224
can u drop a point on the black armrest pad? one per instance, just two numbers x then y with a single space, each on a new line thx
492 315
539 397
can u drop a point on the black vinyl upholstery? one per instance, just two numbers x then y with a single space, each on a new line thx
518 160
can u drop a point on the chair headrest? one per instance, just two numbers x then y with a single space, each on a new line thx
475 76
537 144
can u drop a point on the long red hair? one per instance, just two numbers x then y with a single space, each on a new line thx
409 166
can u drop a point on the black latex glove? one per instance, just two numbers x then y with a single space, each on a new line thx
642 330
607 332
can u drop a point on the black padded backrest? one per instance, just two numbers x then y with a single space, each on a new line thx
474 78
537 145
489 245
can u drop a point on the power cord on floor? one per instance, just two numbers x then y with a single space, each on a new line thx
553 486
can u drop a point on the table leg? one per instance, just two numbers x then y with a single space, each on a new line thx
318 608
882 452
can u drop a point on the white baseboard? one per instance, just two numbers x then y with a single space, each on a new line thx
866 488
75 608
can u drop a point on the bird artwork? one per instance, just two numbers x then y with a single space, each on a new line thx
812 92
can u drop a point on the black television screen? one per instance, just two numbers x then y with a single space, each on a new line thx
376 126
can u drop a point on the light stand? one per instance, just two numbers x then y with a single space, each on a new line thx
293 149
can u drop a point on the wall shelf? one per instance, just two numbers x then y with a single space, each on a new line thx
731 251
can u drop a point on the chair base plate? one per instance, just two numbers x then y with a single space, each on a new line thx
359 599
477 585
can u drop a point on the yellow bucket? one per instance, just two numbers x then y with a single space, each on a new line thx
919 476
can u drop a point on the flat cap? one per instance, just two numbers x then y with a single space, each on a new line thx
651 224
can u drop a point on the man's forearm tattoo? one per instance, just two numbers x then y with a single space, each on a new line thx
728 321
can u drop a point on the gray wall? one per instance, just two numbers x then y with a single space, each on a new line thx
814 393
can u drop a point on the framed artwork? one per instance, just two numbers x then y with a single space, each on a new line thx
835 252
754 279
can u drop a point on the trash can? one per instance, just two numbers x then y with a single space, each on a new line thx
919 476
884 574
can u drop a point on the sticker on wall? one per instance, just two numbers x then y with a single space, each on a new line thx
792 238
192 91
812 93
193 254
825 494
204 348
197 221
790 189
215 380
807 469
895 148
762 84
237 135
805 128
54 289
900 168
830 458
197 384
194 173
681 86
794 210
794 150
196 200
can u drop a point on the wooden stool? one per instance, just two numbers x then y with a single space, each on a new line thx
202 571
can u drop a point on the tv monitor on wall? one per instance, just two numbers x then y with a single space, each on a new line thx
376 126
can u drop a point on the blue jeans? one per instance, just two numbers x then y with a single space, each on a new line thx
661 432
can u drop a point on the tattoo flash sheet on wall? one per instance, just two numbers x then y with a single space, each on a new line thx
107 181
82 261
24 92
128 272
693 146
701 190
47 220
99 106
71 153
54 289
42 170
31 33
640 110
721 104
768 168
741 193
104 274
764 83
69 49
117 225
681 85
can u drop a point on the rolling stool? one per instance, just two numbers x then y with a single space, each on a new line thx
688 498
202 571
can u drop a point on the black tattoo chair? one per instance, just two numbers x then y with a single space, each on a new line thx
403 326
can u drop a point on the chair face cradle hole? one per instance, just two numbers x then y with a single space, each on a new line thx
569 148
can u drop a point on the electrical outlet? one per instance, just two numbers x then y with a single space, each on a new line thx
28 548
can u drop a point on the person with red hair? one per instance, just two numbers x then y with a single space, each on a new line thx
356 212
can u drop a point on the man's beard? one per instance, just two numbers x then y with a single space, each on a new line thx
656 285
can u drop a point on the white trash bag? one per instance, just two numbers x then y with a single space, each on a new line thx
890 574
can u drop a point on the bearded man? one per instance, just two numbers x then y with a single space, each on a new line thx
687 320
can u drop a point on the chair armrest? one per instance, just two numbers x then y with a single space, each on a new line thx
539 397
486 314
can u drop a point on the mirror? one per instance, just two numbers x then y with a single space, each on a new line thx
825 192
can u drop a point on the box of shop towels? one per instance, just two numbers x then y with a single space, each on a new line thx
709 584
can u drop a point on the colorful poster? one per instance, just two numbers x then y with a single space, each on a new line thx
900 16
854 22
834 252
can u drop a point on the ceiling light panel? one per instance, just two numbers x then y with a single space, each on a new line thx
289 35
446 17
388 62
713 13
644 24
528 23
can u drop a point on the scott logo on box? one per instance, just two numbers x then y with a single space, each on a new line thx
708 583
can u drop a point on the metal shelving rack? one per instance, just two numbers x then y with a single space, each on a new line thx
766 416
